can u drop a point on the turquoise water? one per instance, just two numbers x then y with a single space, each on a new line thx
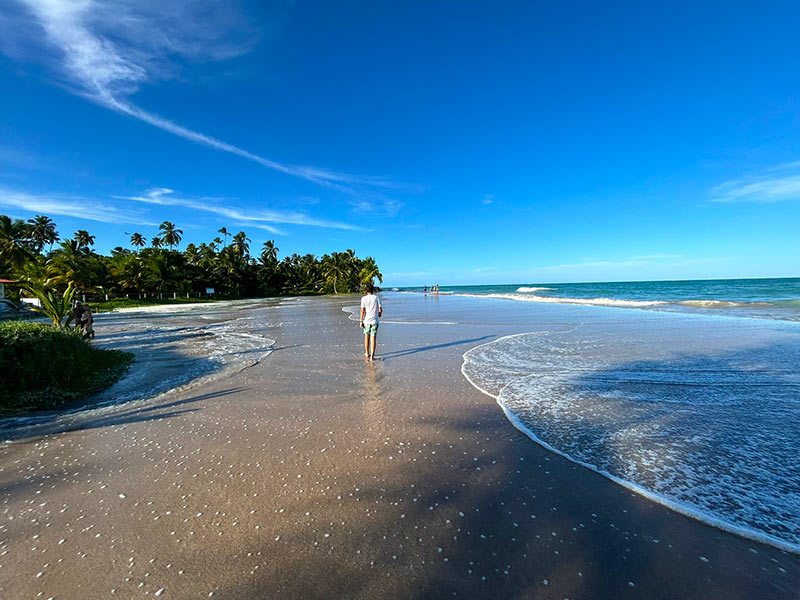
760 298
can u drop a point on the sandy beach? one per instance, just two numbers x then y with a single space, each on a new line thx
303 471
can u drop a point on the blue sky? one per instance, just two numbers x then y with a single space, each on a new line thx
456 142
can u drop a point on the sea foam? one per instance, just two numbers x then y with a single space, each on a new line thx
565 300
709 433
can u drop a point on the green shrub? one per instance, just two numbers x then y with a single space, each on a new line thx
43 367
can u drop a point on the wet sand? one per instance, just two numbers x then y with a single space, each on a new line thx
312 474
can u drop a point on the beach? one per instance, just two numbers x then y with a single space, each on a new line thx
287 465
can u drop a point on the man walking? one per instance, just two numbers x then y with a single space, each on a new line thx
371 311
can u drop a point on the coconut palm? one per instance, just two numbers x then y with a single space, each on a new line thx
226 234
85 241
241 244
269 252
335 268
71 265
14 248
231 270
369 272
138 241
41 231
170 235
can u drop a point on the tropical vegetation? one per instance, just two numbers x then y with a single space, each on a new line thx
45 367
33 253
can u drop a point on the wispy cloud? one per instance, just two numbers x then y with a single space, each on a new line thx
488 199
260 218
72 206
656 257
777 184
649 260
377 204
107 50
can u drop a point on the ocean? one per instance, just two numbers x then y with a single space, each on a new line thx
685 392
759 298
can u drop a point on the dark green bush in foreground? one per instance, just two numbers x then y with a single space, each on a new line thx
42 367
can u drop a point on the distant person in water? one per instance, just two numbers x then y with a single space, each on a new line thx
371 311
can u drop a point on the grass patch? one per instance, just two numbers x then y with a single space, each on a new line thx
44 367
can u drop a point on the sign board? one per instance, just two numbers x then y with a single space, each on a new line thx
32 301
209 290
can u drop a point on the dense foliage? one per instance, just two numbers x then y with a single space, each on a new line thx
44 367
32 251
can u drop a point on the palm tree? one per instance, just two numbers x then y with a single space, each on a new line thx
138 241
335 268
84 240
369 272
14 251
156 242
71 264
225 233
269 252
241 244
170 235
41 231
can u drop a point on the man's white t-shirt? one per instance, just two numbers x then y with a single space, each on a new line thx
371 303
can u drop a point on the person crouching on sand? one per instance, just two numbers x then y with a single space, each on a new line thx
371 311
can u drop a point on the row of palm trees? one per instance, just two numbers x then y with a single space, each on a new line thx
28 252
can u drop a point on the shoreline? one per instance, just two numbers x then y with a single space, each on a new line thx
315 474
680 508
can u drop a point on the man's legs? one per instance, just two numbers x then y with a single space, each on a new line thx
366 345
374 337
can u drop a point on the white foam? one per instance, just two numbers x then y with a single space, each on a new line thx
528 290
710 303
567 300
549 389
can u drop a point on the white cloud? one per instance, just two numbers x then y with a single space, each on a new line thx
72 206
258 218
376 203
653 260
107 50
656 257
780 183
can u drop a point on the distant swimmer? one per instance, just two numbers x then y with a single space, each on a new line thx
371 311
425 289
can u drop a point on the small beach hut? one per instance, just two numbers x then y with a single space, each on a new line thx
3 283
3 304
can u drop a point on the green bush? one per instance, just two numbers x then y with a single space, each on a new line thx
44 367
